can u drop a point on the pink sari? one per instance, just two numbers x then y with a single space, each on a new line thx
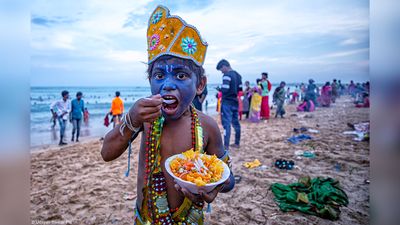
326 96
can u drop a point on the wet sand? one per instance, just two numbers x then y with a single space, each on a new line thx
73 185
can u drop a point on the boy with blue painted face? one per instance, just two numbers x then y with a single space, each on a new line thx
169 123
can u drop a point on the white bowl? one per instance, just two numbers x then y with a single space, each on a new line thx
193 188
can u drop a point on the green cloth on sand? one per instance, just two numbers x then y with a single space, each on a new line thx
318 196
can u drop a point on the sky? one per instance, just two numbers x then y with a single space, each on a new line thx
103 43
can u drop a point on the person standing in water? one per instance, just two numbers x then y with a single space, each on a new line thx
117 109
77 108
61 109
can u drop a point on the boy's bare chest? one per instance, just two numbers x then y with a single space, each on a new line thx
176 141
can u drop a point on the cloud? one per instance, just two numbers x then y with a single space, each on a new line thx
346 53
281 36
43 21
350 41
127 56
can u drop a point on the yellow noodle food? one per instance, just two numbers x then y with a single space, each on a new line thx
200 169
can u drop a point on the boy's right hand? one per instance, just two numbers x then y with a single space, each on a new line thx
146 110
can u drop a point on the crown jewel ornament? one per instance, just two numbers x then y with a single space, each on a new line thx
171 35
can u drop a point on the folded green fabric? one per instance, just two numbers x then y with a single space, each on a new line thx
319 196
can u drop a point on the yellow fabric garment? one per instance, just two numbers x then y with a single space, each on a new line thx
255 163
256 102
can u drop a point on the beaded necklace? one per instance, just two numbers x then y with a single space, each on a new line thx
157 202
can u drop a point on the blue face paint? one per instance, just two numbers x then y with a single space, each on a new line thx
172 77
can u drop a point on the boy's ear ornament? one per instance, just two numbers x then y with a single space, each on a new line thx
171 35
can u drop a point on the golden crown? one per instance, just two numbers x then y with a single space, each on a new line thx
171 35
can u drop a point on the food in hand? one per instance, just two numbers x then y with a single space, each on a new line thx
200 169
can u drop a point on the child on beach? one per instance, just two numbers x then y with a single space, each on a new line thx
169 123
255 105
86 117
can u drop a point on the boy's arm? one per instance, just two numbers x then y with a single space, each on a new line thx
215 146
144 110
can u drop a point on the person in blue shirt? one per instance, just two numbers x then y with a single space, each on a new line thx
231 85
77 109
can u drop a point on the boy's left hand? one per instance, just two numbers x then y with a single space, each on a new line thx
202 196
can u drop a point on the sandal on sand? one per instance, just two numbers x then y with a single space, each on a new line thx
238 179
284 164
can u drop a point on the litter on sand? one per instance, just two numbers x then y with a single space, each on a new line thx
319 196
255 163
284 164
360 130
296 139
307 154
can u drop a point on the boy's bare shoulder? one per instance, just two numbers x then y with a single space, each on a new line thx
208 123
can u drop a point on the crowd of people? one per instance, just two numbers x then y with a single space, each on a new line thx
234 101
75 112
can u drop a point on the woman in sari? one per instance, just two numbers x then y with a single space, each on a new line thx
326 95
255 105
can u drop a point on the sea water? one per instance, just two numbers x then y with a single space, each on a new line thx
97 101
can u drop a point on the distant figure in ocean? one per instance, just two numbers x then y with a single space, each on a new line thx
266 88
199 99
117 109
255 105
86 117
61 109
279 99
312 91
326 95
77 109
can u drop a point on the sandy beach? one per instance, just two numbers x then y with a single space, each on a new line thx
73 185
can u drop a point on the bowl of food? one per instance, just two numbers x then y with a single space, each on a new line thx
195 171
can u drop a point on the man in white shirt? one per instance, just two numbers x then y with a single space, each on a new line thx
61 110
